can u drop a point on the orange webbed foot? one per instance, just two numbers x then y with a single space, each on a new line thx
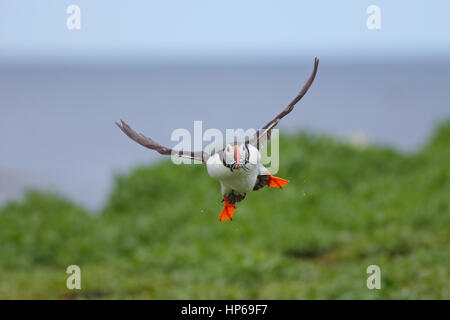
227 211
276 182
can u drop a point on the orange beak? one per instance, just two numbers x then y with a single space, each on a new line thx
236 156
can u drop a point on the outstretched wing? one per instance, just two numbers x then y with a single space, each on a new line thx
151 144
263 134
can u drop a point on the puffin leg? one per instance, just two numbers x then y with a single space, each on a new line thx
276 182
227 211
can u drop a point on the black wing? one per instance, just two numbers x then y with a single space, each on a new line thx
264 133
151 144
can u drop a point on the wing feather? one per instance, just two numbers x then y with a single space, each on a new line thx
263 134
152 144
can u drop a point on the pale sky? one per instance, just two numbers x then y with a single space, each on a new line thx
33 29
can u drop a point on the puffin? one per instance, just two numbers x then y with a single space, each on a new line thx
238 166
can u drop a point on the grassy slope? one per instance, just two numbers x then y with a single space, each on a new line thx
159 236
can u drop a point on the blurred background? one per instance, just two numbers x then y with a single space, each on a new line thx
379 97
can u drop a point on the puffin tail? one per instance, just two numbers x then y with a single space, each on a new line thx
227 211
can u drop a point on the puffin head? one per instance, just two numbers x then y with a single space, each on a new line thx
236 156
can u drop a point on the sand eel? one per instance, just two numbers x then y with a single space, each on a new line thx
238 166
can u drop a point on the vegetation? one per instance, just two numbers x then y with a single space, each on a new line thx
346 207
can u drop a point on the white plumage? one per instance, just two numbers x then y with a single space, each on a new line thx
240 180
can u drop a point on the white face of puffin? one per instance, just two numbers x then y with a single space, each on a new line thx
229 155
226 165
236 156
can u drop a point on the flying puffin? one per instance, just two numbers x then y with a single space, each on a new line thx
238 166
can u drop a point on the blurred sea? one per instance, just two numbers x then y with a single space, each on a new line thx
57 121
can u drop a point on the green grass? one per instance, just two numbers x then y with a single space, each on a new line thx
345 208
